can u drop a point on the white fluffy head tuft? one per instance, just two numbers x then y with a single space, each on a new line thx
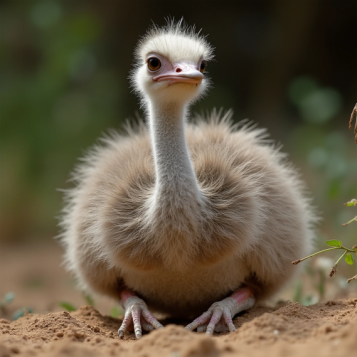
176 41
175 45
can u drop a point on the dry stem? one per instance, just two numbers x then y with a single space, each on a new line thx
354 111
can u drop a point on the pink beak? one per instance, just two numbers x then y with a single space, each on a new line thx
182 73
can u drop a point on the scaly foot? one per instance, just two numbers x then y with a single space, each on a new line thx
220 314
137 313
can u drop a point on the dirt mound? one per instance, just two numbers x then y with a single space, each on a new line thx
291 330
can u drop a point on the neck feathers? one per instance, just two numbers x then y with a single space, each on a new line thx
177 198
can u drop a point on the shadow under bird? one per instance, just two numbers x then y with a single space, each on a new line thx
194 220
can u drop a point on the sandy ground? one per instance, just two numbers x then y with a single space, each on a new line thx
328 329
33 273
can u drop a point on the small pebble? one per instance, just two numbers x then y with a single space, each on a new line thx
15 350
328 329
276 332
79 334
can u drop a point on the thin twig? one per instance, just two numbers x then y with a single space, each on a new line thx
352 220
295 262
353 278
338 260
354 111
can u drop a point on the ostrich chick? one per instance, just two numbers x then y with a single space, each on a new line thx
194 220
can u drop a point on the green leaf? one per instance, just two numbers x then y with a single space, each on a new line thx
89 299
9 297
66 305
21 312
116 311
351 203
298 294
349 259
334 243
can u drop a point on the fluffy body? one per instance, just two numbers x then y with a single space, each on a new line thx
254 222
184 214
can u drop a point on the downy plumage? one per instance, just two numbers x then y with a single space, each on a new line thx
183 214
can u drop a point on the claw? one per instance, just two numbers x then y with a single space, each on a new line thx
136 312
220 313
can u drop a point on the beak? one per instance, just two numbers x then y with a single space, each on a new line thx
182 73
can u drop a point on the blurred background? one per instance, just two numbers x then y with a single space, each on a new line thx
290 66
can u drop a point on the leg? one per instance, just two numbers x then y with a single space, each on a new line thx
221 312
136 312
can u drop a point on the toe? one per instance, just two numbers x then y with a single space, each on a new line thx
151 319
228 320
146 326
125 324
202 328
136 320
216 316
199 321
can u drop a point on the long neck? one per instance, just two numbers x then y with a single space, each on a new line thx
176 184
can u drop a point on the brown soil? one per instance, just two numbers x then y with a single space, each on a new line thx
292 330
289 329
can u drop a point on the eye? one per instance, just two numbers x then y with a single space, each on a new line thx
203 66
154 64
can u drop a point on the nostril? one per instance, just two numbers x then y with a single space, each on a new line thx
178 70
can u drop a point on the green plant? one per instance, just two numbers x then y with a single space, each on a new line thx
88 298
116 311
67 306
70 307
7 299
22 312
348 253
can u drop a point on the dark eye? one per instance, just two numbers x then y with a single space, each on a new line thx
203 66
154 64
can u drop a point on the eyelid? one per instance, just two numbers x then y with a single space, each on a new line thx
153 55
147 60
